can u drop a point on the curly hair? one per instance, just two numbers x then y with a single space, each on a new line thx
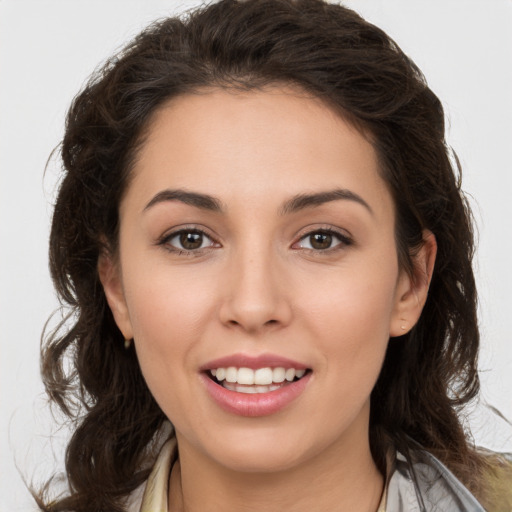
428 375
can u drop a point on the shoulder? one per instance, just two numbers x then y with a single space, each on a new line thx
497 481
152 495
423 483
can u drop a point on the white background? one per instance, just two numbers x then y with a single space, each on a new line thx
49 47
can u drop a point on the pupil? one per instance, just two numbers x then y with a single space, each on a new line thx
191 241
321 240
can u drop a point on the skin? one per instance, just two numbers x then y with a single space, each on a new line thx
258 285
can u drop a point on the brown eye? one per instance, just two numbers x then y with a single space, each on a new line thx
191 240
320 240
188 240
323 240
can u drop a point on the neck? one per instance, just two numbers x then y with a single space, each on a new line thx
342 477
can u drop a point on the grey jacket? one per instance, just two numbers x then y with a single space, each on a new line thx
426 485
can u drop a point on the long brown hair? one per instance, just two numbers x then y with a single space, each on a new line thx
329 51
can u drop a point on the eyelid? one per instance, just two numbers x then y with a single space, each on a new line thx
344 237
193 228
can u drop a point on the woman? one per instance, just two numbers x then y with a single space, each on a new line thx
263 240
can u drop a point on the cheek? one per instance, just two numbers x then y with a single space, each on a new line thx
353 302
351 333
350 317
168 311
166 325
165 305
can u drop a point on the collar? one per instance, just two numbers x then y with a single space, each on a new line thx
423 484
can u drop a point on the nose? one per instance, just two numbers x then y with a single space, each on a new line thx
256 293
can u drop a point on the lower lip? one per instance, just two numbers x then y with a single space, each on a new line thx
258 404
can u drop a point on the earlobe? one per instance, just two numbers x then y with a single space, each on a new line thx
412 289
110 277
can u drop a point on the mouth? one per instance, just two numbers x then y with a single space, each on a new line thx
256 381
253 386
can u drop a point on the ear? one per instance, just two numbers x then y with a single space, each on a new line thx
412 289
110 277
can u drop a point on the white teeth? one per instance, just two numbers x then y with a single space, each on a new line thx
278 374
245 376
290 374
263 376
231 374
250 389
260 377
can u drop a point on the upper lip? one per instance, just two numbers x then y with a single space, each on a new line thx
253 362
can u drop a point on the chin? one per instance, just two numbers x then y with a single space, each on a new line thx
263 451
269 462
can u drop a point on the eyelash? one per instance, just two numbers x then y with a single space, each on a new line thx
166 239
344 241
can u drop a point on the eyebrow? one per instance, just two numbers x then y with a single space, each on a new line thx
295 204
303 201
202 201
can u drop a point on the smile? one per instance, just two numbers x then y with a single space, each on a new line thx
254 386
252 381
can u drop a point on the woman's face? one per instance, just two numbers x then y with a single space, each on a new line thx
258 234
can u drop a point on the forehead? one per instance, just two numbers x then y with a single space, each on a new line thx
274 142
